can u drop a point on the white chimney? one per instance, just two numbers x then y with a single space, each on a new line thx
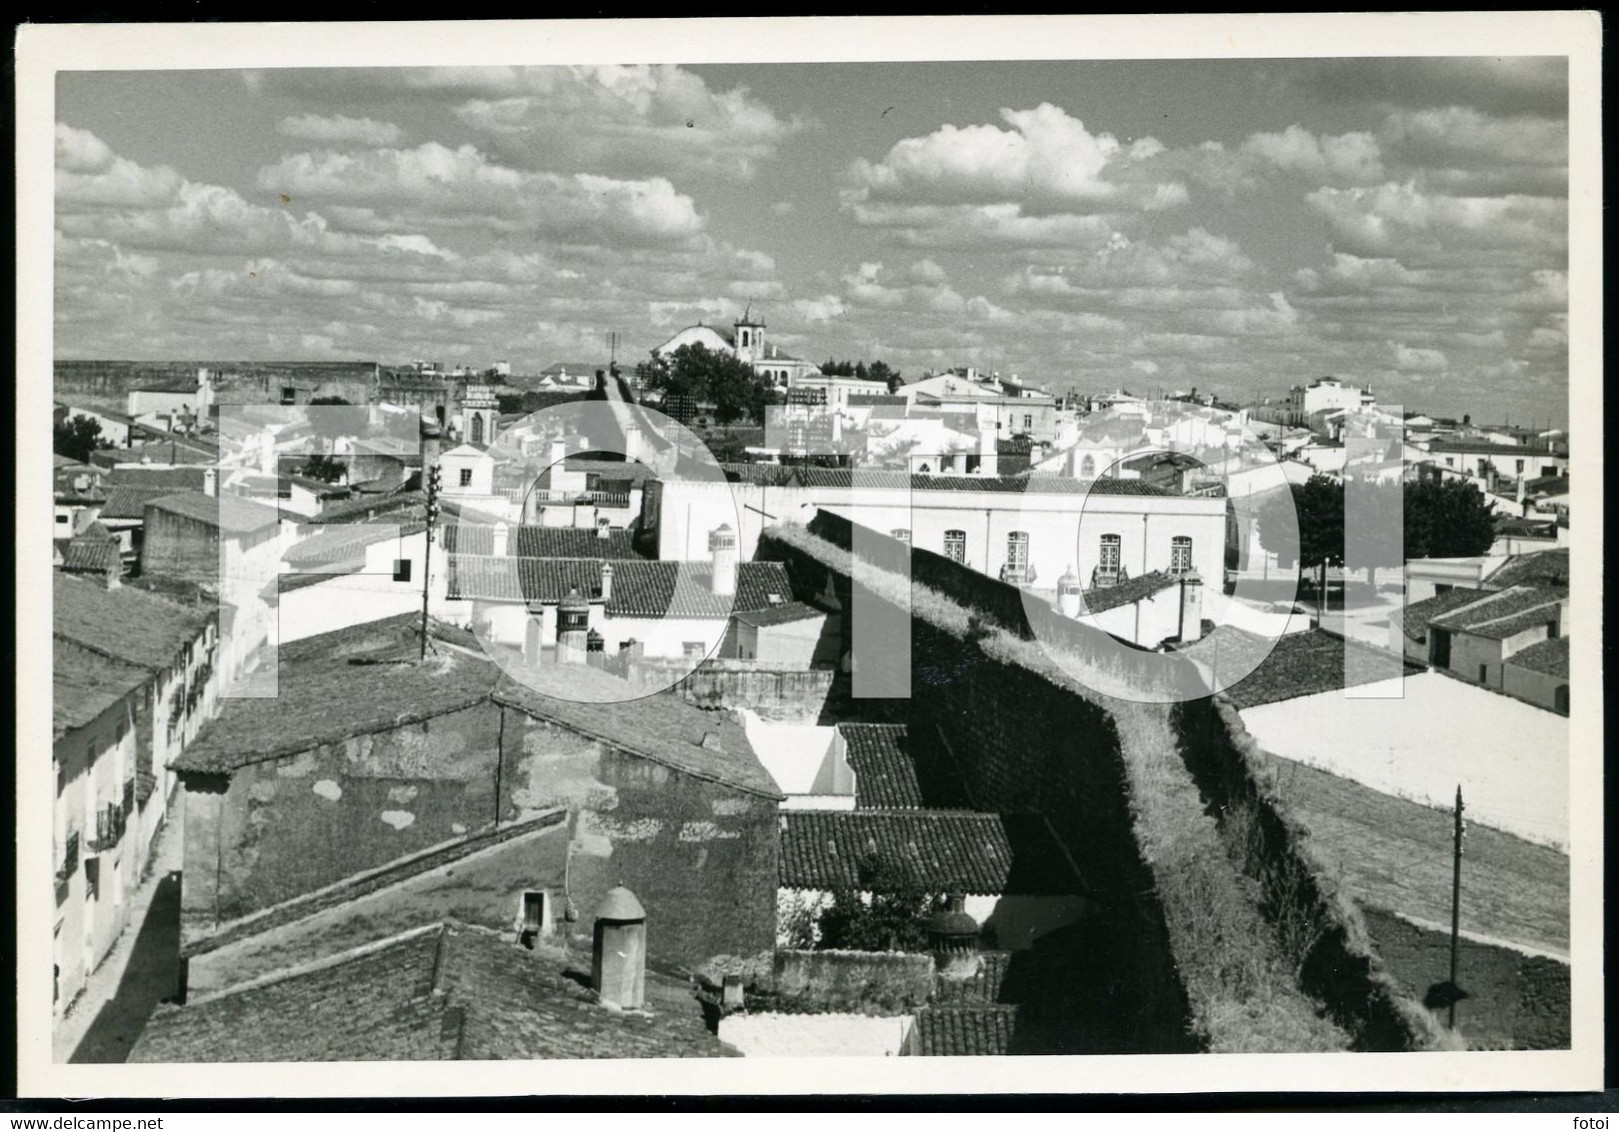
604 527
501 534
632 441
722 548
986 451
210 481
559 452
1068 599
1191 607
607 581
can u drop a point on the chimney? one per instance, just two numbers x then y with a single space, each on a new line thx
607 581
1191 607
1068 590
604 527
632 441
618 954
559 452
722 548
986 450
501 535
210 481
953 939
573 627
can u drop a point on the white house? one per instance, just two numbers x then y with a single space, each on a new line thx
745 340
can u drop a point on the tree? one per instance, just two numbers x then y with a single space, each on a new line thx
1318 504
895 919
709 377
77 437
1447 519
323 468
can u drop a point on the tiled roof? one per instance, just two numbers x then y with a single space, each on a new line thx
1500 615
1298 664
344 542
447 992
892 773
1487 448
1099 599
90 552
885 775
134 626
641 588
937 850
874 399
634 471
979 1030
1550 657
360 510
540 542
1417 615
229 513
327 701
187 477
350 682
1513 525
774 475
84 684
130 502
779 615
1540 568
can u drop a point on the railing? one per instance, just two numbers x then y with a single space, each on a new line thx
110 822
67 858
598 498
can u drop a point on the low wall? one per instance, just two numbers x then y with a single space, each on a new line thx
816 1035
860 982
776 694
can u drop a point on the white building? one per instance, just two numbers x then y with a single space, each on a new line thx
746 340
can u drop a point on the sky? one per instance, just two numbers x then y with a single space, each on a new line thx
1238 226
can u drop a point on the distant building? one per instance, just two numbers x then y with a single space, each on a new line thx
745 340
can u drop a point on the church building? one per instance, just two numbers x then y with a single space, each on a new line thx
745 340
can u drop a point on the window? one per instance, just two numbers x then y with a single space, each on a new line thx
1483 673
477 428
535 918
1017 550
1180 554
1520 467
1551 630
902 534
401 569
694 650
1560 698
1087 466
466 477
1112 555
289 395
64 519
1028 421
955 545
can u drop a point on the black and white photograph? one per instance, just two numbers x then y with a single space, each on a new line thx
819 541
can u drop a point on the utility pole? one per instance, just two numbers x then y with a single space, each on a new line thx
612 349
1455 905
434 474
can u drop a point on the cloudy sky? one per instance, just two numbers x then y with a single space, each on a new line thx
1232 225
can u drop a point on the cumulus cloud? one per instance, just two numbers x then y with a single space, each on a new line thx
338 128
1352 158
613 119
1419 360
1047 162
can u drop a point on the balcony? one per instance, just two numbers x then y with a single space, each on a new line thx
110 823
67 859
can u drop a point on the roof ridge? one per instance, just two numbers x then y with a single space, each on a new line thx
323 963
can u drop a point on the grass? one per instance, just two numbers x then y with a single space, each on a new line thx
1396 855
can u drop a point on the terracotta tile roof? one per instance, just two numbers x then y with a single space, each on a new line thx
126 623
1299 664
189 477
1099 599
1487 448
779 615
891 773
361 510
776 475
1500 615
1540 568
938 850
540 542
130 502
1416 616
84 684
228 513
445 992
328 701
641 587
366 679
1550 657
92 551
973 1031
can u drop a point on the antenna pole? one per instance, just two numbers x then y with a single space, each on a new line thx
1455 904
